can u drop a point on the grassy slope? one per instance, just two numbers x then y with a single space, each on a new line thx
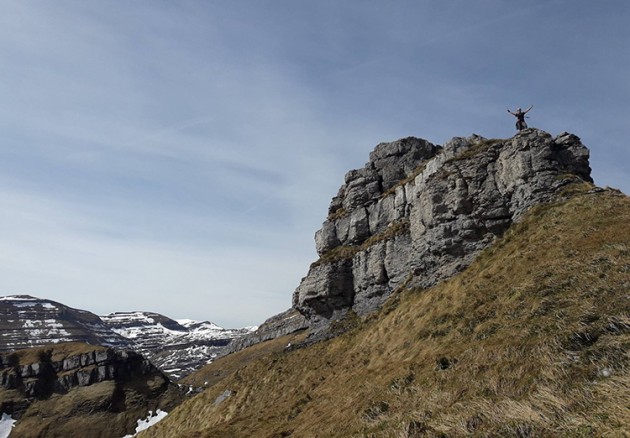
532 340
221 368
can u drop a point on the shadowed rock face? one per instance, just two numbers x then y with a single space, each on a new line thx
44 371
417 214
97 391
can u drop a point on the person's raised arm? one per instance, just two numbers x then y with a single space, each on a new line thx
530 107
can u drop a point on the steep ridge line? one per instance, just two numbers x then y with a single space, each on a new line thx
531 339
417 214
27 321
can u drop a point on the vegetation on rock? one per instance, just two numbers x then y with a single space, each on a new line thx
346 252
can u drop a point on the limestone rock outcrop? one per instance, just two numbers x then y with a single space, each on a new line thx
418 213
44 371
98 391
287 322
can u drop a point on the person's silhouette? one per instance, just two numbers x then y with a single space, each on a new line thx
520 117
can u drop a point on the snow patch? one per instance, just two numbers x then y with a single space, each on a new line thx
187 322
6 424
147 422
17 298
31 303
191 323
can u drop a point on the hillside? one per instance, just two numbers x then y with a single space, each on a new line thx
480 287
417 214
532 339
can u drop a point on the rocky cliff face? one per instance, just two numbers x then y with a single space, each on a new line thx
102 390
530 340
418 213
41 372
287 322
176 347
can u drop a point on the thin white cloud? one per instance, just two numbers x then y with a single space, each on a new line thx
191 149
57 248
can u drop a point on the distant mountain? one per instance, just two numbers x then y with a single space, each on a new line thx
176 347
27 321
97 373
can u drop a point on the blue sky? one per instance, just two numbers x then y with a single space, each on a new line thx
178 156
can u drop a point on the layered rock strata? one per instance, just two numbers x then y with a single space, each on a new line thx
175 347
418 213
27 321
97 391
289 321
44 371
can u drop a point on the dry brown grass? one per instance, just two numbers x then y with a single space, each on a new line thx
56 351
219 369
102 410
475 149
347 252
412 176
532 340
340 213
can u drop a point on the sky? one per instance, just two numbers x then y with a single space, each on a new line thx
178 156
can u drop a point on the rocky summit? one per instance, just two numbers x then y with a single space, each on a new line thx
417 213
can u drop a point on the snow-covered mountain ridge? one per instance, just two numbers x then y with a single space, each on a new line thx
27 321
176 347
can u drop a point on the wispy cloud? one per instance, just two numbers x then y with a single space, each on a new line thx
191 149
79 257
